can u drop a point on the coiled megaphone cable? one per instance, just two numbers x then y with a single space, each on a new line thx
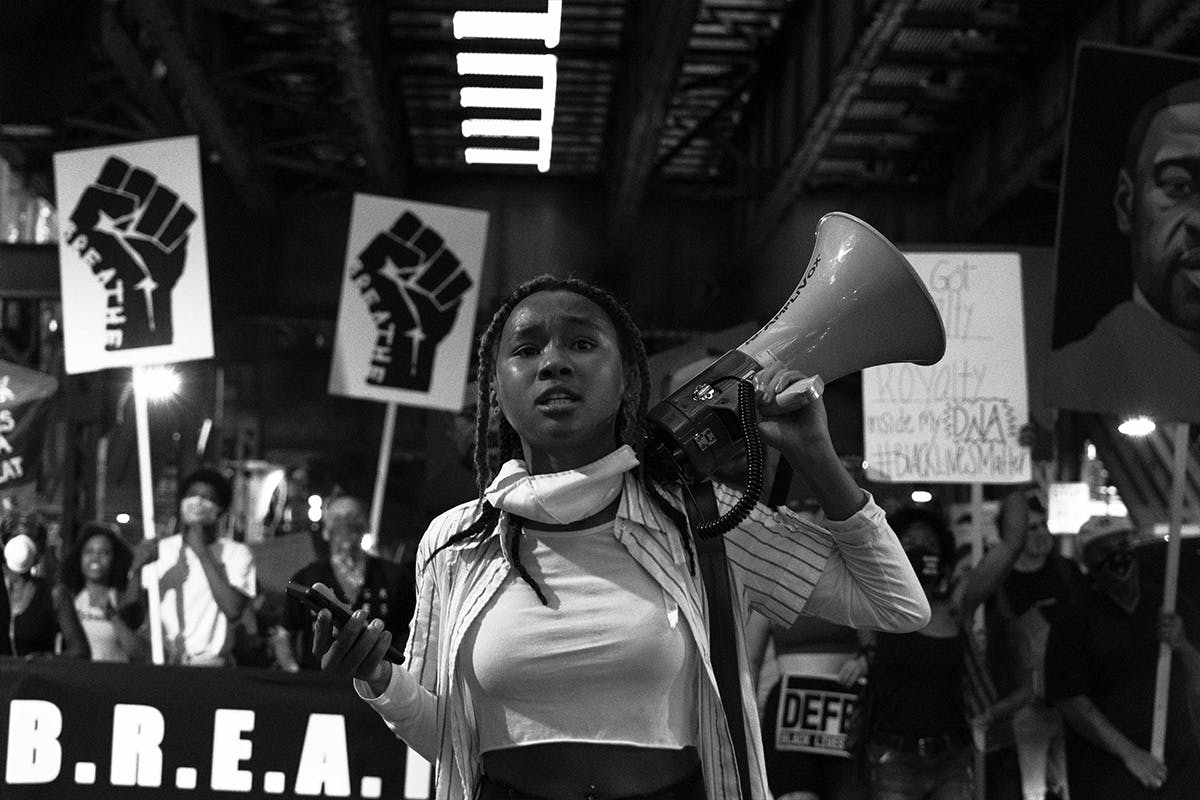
754 466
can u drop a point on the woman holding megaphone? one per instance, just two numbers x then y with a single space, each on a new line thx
560 646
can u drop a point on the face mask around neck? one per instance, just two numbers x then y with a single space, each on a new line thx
560 498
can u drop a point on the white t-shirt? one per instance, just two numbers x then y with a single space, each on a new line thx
99 628
194 629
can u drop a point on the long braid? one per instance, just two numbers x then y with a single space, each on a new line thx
514 545
496 441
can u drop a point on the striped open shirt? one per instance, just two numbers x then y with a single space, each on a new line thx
853 572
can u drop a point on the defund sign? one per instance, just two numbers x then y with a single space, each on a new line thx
535 25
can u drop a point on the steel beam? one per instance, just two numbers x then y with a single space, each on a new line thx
345 26
846 87
655 44
186 76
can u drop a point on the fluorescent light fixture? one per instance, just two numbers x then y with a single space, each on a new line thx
488 97
500 155
510 64
543 65
1137 426
511 24
521 128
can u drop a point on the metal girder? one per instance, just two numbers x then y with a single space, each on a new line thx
655 43
188 78
986 179
845 88
345 26
124 55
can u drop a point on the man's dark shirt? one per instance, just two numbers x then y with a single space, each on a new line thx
1098 650
1049 588
388 592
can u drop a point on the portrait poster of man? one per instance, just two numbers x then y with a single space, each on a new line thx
406 315
133 259
1126 332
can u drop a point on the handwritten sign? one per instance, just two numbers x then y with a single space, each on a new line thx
24 405
956 421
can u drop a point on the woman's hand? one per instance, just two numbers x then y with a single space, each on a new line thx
356 650
853 670
799 423
801 434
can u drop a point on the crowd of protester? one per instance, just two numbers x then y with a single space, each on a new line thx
1071 643
90 600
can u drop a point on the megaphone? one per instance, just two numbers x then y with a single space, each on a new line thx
859 303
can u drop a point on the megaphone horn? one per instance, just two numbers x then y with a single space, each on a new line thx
858 304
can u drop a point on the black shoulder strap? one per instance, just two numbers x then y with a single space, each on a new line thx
722 643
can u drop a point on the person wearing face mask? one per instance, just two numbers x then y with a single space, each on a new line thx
205 581
380 588
918 741
1101 664
1041 582
41 617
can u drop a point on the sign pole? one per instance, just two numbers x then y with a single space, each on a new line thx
1158 736
146 481
381 471
976 627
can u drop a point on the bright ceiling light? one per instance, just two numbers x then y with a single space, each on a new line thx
511 24
519 128
123 518
1137 426
541 65
921 496
157 383
544 66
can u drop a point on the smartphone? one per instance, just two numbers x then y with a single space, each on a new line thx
314 601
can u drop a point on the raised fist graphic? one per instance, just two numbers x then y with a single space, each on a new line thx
413 286
133 232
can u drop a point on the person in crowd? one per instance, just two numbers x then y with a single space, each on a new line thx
1042 581
928 688
41 617
1149 345
205 581
1101 665
810 647
96 572
379 587
560 645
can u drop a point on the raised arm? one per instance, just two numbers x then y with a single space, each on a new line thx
985 577
866 580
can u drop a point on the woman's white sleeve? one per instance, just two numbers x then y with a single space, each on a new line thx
409 710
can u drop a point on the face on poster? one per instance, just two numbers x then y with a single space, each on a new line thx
410 290
957 421
133 258
1126 335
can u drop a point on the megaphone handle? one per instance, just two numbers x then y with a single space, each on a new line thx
800 393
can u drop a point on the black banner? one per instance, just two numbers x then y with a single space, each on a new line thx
84 731
24 406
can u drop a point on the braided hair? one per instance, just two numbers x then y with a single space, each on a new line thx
496 441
